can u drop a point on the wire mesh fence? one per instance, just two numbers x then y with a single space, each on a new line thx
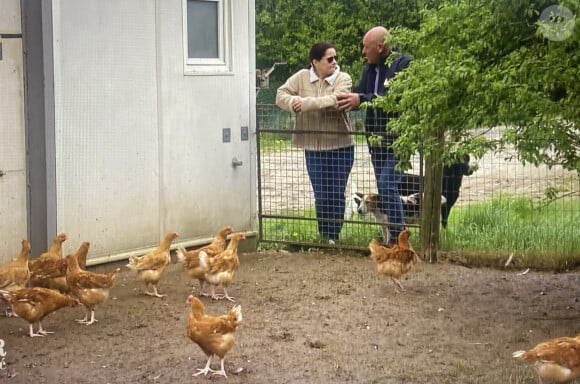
287 209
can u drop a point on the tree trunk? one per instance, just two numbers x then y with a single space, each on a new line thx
431 203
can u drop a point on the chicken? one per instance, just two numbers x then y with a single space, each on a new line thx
150 266
60 283
556 360
190 259
221 269
90 288
15 274
395 261
49 265
33 304
213 334
81 254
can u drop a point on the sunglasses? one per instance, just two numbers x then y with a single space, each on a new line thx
332 58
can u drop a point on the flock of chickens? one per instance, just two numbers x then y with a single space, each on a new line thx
34 288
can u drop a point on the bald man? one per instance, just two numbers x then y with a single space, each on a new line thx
374 81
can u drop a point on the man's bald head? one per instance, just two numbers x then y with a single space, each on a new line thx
374 47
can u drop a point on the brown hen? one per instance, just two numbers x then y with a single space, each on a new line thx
213 334
395 261
49 265
555 361
60 283
33 304
15 273
90 288
150 266
190 259
221 269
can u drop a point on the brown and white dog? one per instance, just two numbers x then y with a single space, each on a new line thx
371 204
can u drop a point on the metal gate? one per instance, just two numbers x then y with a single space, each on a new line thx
286 211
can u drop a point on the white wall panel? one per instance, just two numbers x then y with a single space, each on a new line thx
107 156
202 190
13 202
10 16
139 146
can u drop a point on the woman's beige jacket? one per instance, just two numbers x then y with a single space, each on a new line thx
319 111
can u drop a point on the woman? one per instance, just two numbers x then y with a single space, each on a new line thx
312 93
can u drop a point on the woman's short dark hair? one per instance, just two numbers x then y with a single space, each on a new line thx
317 51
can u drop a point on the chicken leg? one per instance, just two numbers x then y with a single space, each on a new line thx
225 296
201 289
215 296
399 284
154 293
31 332
205 369
86 321
222 371
41 332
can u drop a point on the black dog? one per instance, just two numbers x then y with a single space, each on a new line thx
452 178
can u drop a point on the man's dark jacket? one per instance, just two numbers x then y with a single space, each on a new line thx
376 119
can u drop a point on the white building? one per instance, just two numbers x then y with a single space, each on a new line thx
124 119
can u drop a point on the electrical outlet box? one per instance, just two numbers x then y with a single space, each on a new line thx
226 135
244 134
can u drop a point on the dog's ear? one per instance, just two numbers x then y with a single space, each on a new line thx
357 197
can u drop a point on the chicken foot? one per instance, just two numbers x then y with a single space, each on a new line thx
41 332
201 289
222 371
205 369
215 296
154 293
86 321
399 284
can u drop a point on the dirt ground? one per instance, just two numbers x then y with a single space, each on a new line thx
309 318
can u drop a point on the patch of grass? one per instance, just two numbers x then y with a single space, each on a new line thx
544 237
296 230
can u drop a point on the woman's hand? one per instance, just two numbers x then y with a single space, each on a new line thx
297 104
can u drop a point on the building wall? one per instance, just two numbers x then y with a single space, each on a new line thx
13 177
137 143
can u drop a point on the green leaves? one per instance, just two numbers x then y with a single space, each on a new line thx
285 30
477 64
482 64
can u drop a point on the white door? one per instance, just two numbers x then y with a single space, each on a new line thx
13 178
